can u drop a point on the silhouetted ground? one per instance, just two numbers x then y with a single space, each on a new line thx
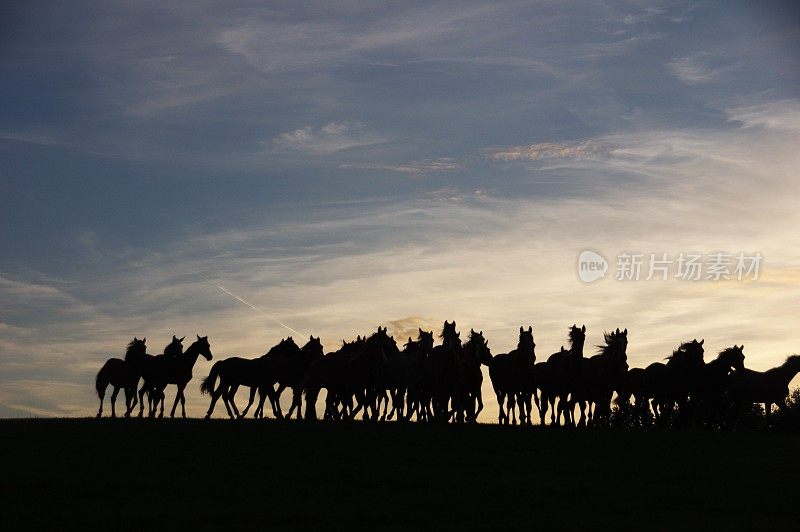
136 474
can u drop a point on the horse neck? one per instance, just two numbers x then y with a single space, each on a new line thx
788 370
189 357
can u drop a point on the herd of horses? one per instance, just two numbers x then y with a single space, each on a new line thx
426 382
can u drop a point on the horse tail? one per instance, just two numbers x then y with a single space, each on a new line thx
207 386
101 380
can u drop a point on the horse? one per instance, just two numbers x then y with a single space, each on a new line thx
288 369
634 387
359 373
671 384
511 374
235 371
123 374
328 372
562 371
474 353
406 377
599 377
143 364
443 370
163 370
747 386
708 398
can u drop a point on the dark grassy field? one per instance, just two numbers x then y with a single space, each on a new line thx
134 474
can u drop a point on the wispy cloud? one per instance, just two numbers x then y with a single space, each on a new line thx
782 115
702 67
327 139
414 169
550 150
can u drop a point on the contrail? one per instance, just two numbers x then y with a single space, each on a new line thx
276 320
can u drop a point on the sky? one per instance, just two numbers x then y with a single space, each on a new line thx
340 166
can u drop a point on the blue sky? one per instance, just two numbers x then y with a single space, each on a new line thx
341 166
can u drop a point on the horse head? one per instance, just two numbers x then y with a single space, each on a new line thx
201 347
425 340
451 339
526 344
478 348
577 337
617 348
313 348
175 347
136 349
733 357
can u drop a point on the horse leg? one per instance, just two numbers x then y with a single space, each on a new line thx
102 393
250 401
226 401
479 399
767 412
542 405
183 400
114 401
133 401
141 399
214 398
297 403
276 400
175 403
232 399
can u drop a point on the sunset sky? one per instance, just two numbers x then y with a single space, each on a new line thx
340 167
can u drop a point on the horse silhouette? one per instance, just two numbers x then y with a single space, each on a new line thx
561 372
234 372
165 369
708 399
512 378
770 387
406 377
443 367
121 374
144 364
599 377
357 371
287 369
667 386
474 353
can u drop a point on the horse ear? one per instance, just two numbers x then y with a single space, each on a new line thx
182 339
481 333
742 348
198 336
174 337
583 329
701 341
530 329
521 330
617 330
144 339
625 332
135 339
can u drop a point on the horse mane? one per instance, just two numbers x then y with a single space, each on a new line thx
130 350
727 351
474 335
173 349
574 334
791 358
681 354
608 338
